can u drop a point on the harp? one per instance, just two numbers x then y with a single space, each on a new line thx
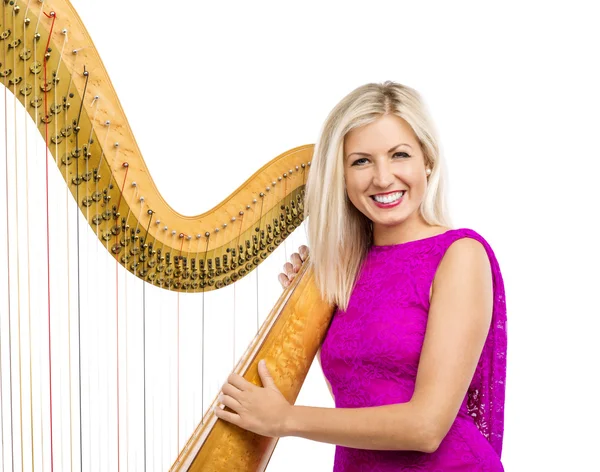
70 372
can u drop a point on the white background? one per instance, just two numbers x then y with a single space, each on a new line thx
213 90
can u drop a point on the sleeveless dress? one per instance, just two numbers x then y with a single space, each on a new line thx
371 351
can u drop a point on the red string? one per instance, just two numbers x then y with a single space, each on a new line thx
126 165
53 16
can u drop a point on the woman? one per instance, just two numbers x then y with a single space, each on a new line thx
415 355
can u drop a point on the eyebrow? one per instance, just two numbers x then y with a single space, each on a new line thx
390 150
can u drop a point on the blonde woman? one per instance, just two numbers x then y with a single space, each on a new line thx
415 355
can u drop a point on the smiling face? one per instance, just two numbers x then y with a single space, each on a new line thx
386 179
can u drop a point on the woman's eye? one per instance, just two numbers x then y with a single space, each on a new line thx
400 154
360 161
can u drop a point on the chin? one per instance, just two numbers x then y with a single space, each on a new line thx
390 223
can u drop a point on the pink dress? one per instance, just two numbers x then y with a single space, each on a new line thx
371 354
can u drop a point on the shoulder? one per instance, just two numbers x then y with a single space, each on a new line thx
466 258
468 252
467 233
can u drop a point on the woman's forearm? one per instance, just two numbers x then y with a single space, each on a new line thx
390 427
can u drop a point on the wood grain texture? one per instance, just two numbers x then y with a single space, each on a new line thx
66 90
64 87
288 340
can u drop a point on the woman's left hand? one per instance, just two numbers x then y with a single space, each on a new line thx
262 410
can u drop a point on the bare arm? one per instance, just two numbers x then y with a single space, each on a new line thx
458 323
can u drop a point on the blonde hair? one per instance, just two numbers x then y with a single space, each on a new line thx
339 236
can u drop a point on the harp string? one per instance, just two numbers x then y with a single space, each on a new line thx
43 439
203 334
68 257
87 333
17 253
117 364
52 16
8 260
126 296
262 202
58 317
28 241
237 242
18 249
145 391
183 237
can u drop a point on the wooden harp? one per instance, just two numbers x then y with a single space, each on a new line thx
61 88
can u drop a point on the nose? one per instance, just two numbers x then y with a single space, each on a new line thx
383 176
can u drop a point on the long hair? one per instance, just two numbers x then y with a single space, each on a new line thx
339 236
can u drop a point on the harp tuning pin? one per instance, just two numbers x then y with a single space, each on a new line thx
254 200
247 207
291 171
241 213
188 238
232 219
173 233
268 189
165 228
262 194
134 184
157 222
224 225
285 176
27 21
150 212
216 230
181 235
297 167
96 97
207 234
309 163
126 164
142 199
303 165
64 31
198 236
17 8
116 144
273 183
107 123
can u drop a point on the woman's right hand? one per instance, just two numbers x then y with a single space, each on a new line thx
290 269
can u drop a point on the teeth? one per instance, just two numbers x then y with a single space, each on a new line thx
390 198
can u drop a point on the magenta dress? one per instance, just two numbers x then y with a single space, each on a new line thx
371 355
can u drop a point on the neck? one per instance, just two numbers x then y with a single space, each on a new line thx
409 230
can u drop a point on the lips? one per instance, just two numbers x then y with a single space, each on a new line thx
389 197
